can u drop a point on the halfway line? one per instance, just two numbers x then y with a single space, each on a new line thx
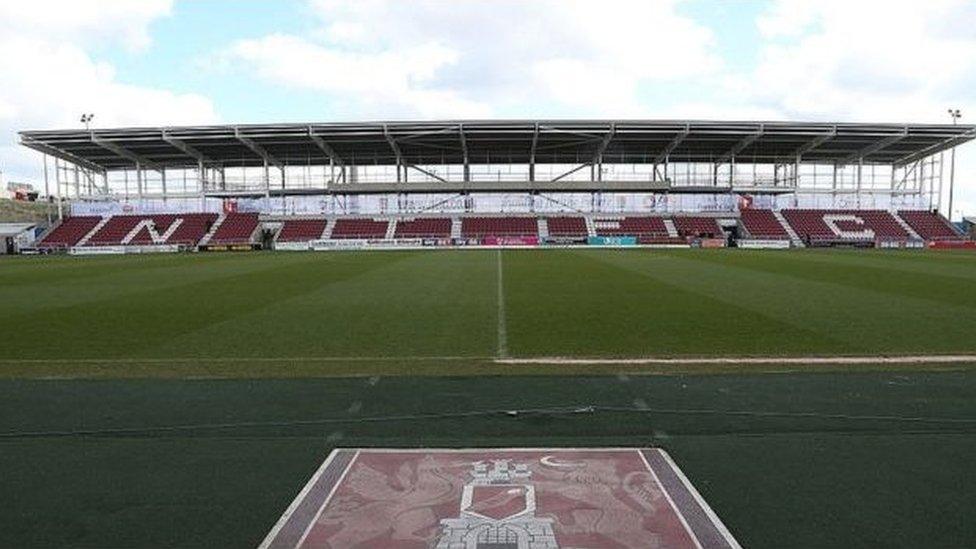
502 330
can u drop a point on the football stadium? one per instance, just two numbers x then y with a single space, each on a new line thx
491 334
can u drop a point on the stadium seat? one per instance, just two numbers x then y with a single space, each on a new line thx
114 231
423 227
160 224
567 226
631 226
69 232
192 230
189 229
929 225
844 225
360 228
704 227
763 224
237 228
478 227
301 230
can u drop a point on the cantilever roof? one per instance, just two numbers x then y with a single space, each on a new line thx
498 142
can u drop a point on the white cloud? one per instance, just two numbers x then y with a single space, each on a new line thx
384 81
51 76
869 60
448 59
84 21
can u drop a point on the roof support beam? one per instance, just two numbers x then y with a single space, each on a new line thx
60 154
873 148
740 146
535 144
551 129
570 172
138 159
427 173
464 150
673 144
396 149
185 148
404 137
596 156
393 144
940 146
257 149
814 143
325 147
605 143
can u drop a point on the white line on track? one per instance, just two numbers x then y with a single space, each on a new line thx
805 360
502 330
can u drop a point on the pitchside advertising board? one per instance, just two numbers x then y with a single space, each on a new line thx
595 498
612 241
759 244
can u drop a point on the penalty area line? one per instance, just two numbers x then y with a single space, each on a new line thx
880 359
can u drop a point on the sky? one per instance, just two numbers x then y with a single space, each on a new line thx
171 62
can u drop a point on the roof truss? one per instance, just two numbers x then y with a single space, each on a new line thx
257 149
740 146
873 148
140 160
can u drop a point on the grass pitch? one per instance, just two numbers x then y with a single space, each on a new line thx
389 342
454 312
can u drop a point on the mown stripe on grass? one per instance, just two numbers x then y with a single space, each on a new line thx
586 304
865 273
421 304
127 324
865 321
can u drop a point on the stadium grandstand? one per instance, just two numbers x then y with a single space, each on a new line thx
508 183
503 397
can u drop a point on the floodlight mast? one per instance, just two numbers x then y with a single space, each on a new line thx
956 114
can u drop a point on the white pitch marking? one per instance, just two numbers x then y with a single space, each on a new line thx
328 497
701 502
502 330
884 359
674 507
223 359
297 501
881 359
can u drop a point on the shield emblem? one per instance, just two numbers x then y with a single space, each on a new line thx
498 501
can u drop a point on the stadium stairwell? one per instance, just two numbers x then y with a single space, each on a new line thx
795 238
669 225
906 227
84 240
543 227
590 227
220 221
